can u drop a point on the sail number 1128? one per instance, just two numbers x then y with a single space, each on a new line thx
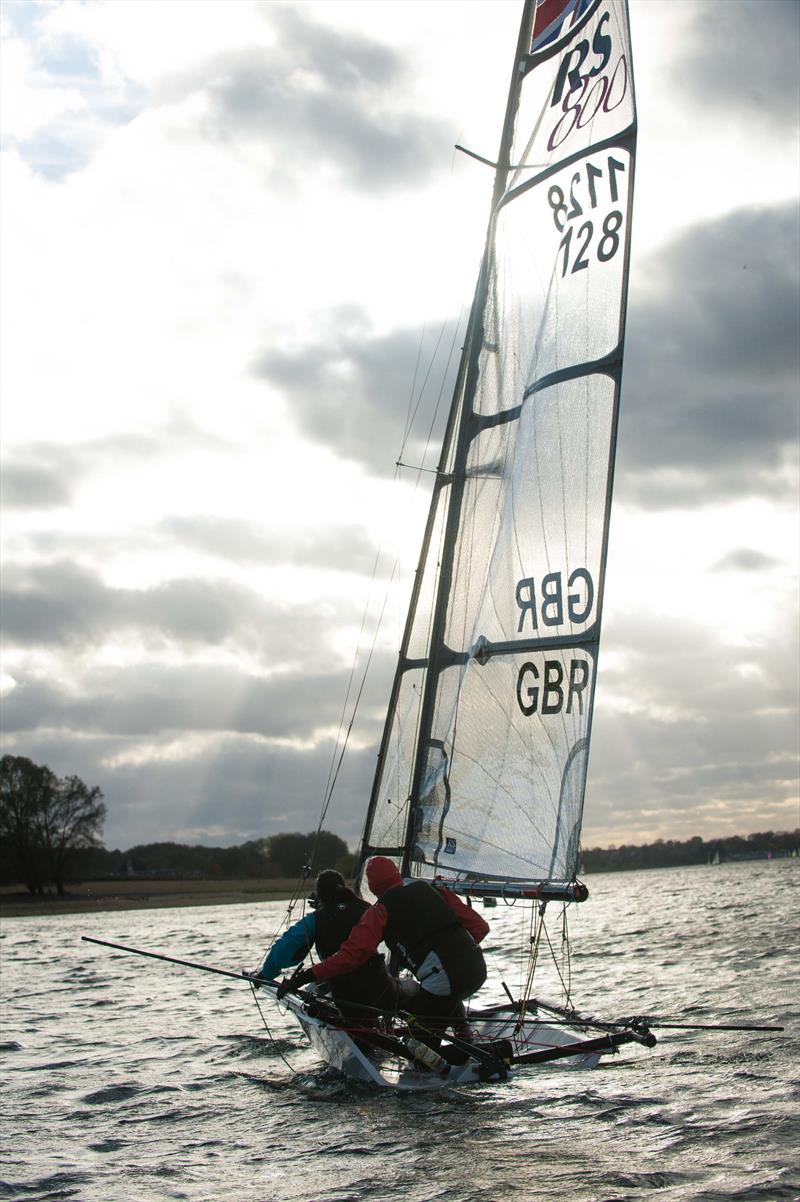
603 243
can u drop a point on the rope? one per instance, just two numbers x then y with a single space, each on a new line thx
565 985
533 956
272 1038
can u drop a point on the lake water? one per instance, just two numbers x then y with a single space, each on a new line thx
126 1080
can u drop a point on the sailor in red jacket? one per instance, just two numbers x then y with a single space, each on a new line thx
431 931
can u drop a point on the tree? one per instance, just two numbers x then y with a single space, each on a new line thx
347 865
74 820
292 852
25 789
44 820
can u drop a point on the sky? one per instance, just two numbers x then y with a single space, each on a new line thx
237 247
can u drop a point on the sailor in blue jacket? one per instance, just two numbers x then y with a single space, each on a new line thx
292 947
325 929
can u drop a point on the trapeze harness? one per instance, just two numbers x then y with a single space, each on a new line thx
424 932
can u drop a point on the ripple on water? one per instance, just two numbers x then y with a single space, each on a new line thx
775 1192
657 1180
114 1093
52 1188
171 1073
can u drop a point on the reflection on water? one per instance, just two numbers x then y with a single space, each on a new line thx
131 1079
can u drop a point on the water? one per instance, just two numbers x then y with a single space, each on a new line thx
127 1080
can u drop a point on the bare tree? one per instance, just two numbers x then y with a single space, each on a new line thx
73 820
44 819
25 792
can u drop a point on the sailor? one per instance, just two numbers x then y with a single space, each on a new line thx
337 910
431 931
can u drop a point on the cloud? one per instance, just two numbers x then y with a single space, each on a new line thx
740 62
745 559
57 106
153 700
319 100
685 722
44 474
709 408
342 548
709 405
352 389
32 486
223 791
64 605
202 703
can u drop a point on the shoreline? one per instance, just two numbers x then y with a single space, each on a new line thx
98 896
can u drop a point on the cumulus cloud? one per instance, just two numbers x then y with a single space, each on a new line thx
154 699
691 728
740 62
200 703
343 548
44 474
57 106
352 389
709 409
65 605
321 99
218 791
745 559
32 486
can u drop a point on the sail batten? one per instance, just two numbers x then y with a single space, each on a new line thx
483 765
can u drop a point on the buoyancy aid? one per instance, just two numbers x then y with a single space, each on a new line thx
419 921
370 984
334 922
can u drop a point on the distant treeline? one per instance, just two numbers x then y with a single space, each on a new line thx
283 855
674 853
50 834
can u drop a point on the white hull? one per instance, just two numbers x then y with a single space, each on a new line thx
389 1071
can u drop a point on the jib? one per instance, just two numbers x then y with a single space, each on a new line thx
551 686
550 606
570 65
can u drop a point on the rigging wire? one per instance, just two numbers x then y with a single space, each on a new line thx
271 1037
340 744
533 957
439 549
411 415
560 969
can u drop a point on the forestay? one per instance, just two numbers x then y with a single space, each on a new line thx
482 768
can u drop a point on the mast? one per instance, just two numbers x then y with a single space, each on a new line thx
463 403
462 399
482 767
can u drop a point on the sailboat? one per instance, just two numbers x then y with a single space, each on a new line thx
482 765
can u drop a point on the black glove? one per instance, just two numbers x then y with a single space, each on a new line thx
291 984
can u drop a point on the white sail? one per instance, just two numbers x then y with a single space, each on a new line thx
482 769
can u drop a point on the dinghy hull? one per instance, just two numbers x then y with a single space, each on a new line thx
347 1051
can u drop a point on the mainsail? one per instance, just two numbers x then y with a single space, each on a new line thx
482 767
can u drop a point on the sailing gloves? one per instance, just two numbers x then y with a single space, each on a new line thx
295 982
